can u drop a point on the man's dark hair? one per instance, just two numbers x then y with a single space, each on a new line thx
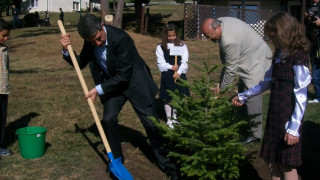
4 25
88 25
165 29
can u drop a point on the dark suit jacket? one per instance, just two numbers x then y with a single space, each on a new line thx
128 73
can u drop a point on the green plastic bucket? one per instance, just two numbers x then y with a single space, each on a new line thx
31 141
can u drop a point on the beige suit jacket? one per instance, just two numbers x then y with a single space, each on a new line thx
243 52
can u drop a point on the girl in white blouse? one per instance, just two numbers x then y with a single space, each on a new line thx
171 72
288 79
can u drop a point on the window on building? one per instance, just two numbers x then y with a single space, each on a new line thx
249 15
76 6
33 3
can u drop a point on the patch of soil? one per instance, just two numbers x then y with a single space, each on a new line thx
142 168
136 163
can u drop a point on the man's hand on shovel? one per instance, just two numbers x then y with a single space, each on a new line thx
65 41
115 166
92 94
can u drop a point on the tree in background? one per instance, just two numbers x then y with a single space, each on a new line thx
180 1
5 5
118 6
104 8
118 14
138 7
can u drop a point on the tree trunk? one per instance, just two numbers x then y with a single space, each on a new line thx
137 8
119 13
8 9
90 6
104 5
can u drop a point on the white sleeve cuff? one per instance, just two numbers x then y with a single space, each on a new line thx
66 53
99 89
292 128
243 97
293 133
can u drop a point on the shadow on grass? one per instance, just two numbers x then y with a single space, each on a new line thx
17 124
136 138
310 151
246 168
28 71
92 144
94 147
311 95
32 32
16 47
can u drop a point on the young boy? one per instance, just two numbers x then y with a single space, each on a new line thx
4 83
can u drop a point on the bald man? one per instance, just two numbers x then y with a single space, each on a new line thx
244 53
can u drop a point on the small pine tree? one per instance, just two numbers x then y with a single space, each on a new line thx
206 143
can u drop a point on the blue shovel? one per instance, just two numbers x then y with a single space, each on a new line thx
116 166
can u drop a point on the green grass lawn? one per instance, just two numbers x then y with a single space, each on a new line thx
45 91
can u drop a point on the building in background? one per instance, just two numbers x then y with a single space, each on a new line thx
295 7
53 5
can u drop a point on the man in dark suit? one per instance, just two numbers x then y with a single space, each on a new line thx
120 74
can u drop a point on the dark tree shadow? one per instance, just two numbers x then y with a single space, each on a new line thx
17 46
311 95
27 71
247 171
17 124
38 31
94 145
136 138
155 23
310 151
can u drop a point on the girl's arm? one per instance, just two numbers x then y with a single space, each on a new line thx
302 79
162 64
260 88
184 61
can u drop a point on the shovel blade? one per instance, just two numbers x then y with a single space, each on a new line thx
118 169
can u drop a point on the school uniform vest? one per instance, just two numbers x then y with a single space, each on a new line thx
281 107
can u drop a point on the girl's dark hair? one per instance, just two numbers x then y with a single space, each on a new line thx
289 33
4 25
165 29
88 25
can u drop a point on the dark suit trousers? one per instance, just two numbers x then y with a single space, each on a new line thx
3 117
112 108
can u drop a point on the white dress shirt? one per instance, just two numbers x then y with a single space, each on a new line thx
164 66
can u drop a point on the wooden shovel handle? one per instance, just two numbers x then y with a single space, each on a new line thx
85 89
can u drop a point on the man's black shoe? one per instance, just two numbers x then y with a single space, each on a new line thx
250 140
